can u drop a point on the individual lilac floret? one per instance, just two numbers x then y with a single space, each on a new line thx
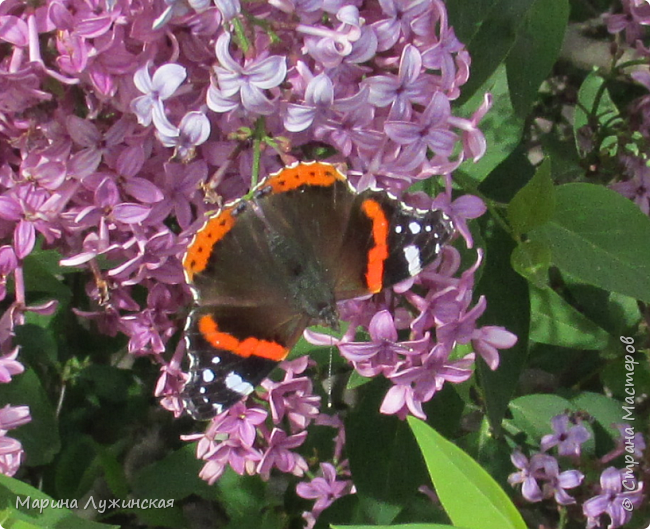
409 86
543 468
192 131
400 15
430 131
325 490
529 473
351 42
619 496
171 382
382 352
241 458
244 85
32 209
293 398
556 481
568 437
485 340
418 384
229 441
9 366
11 450
179 184
241 422
8 264
637 188
162 86
280 454
320 105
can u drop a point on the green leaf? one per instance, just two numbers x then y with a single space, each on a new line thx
167 517
513 173
113 472
494 40
13 494
615 376
601 238
153 481
399 526
380 512
624 311
555 322
38 346
501 127
381 451
535 51
40 437
19 524
108 382
43 274
605 410
532 413
460 481
591 89
614 312
356 380
466 17
507 306
533 205
76 467
532 259
248 503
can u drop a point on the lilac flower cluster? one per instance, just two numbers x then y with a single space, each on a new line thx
631 24
256 438
252 440
617 495
118 118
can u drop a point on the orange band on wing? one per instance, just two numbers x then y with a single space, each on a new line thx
249 347
379 252
198 253
315 174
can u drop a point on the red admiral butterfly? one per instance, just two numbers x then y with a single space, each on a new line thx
262 270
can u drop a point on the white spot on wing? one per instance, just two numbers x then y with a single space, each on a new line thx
415 228
216 359
398 229
412 256
235 383
207 375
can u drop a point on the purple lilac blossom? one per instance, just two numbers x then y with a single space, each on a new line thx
615 499
541 478
634 182
11 450
169 93
568 437
324 489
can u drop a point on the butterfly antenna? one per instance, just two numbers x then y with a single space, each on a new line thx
330 380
